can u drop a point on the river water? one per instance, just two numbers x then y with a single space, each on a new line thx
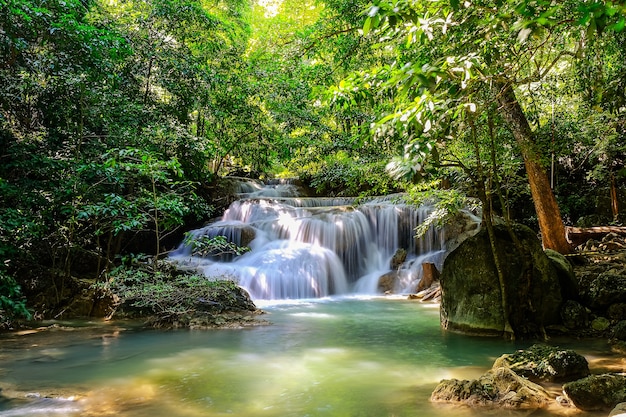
335 346
365 357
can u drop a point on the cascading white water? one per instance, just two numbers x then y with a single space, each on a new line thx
316 247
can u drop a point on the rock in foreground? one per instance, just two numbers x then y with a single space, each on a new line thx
597 392
499 387
471 299
545 363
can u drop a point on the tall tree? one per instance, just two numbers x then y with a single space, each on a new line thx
503 44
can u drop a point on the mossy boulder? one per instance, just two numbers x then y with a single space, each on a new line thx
597 392
499 387
565 272
545 363
471 298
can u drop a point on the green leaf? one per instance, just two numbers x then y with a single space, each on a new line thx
619 25
367 26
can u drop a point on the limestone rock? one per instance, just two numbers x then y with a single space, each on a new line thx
388 282
471 300
499 387
597 392
545 363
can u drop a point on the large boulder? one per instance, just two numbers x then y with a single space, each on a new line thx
597 392
565 272
545 363
471 301
499 387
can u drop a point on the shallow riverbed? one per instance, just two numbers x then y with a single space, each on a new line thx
331 357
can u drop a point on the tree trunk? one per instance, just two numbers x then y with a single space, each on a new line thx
614 199
548 213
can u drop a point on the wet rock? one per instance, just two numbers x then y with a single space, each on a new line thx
574 315
248 234
499 387
619 410
430 274
388 282
597 392
398 259
471 299
545 363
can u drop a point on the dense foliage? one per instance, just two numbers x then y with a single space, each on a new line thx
118 117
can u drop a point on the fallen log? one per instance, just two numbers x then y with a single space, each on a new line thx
578 235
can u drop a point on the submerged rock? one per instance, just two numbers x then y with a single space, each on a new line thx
597 392
499 387
545 363
471 298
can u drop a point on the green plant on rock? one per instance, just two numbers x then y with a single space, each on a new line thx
213 246
170 298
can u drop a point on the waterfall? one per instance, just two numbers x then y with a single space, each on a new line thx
304 247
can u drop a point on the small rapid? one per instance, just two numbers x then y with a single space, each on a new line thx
303 247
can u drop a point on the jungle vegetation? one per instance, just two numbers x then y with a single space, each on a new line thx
118 117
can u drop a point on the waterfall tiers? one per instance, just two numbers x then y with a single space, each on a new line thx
304 247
